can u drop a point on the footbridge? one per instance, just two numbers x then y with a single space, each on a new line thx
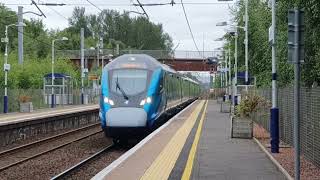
178 60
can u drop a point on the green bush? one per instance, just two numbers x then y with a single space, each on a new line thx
251 104
30 73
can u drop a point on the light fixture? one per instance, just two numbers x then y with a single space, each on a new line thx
147 100
108 101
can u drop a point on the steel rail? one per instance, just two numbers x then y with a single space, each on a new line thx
47 151
51 138
83 162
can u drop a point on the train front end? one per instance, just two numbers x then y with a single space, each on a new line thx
127 103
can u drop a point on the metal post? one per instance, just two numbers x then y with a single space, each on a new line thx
118 49
82 63
98 54
222 80
274 121
297 119
230 78
246 45
297 97
20 34
226 74
102 58
52 75
102 64
236 70
5 98
62 94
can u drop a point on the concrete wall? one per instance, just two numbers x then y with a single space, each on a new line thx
36 128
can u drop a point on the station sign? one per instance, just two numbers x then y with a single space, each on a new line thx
296 36
6 67
4 40
93 77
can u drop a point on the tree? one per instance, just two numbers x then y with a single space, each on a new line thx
260 50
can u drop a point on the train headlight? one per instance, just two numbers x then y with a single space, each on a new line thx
142 102
108 101
147 100
111 102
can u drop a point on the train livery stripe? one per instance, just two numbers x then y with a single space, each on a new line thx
154 83
104 93
164 163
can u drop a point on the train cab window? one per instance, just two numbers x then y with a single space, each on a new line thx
131 81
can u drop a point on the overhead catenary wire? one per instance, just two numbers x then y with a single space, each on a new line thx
34 3
124 4
94 5
58 13
189 26
52 9
136 8
145 13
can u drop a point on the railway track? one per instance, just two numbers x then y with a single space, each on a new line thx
23 153
82 163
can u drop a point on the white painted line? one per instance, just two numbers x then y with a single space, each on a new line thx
126 155
275 162
47 114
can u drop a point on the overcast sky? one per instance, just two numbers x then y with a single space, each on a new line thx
202 17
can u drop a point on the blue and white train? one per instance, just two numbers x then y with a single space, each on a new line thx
136 91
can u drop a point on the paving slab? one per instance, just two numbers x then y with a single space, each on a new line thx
220 157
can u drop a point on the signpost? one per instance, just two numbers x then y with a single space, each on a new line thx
296 57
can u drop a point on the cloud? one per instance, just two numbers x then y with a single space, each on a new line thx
203 18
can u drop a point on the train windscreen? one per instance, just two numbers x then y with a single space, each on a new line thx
129 81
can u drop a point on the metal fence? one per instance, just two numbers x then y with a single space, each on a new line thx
40 99
309 119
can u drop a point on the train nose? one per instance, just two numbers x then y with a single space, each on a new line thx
126 117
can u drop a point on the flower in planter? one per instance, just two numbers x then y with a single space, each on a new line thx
250 105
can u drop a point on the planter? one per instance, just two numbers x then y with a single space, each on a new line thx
225 107
241 127
219 99
26 107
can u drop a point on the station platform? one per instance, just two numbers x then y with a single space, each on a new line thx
195 144
12 118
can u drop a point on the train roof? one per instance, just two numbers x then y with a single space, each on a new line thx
168 68
143 61
138 60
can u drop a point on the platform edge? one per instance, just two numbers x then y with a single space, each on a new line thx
126 155
274 161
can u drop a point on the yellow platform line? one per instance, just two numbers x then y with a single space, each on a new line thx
188 169
164 163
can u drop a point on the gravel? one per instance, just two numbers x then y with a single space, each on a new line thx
45 146
38 137
286 156
55 162
95 166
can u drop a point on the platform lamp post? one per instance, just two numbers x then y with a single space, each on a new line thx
52 69
225 70
245 28
228 62
274 112
233 32
6 66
